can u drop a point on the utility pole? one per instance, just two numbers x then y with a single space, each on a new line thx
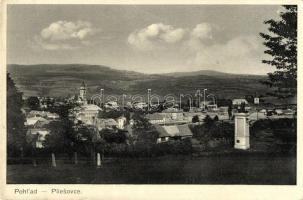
123 101
198 93
204 90
148 99
181 95
102 97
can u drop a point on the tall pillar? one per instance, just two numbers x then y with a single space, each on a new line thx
75 158
241 131
98 160
53 160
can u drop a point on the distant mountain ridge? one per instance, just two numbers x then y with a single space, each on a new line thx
207 73
65 79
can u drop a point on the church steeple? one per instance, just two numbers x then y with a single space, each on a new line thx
83 84
82 95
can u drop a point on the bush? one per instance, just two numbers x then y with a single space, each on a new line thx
140 149
284 129
114 136
213 130
195 119
177 147
115 149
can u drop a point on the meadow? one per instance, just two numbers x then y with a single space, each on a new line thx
244 168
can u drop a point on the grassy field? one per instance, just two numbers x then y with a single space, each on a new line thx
223 169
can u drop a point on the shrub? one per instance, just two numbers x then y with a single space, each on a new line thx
285 129
195 119
213 130
183 146
114 136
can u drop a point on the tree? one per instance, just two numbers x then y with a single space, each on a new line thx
33 103
230 111
16 131
242 108
113 136
144 134
195 119
49 102
224 102
89 139
141 123
282 47
55 141
208 121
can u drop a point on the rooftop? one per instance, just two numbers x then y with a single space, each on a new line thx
173 131
90 107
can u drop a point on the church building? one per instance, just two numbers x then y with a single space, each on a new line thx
82 96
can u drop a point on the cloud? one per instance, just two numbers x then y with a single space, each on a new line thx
65 35
237 55
202 31
40 43
155 35
198 48
200 36
159 35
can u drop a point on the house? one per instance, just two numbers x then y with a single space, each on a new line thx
37 113
121 122
44 114
87 113
156 118
171 110
256 100
223 109
101 123
212 107
175 132
37 136
113 105
189 116
52 116
36 130
140 105
257 115
206 103
33 121
131 122
238 102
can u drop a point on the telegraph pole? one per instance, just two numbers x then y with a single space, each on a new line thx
148 99
204 98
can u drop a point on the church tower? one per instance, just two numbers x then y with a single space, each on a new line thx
83 93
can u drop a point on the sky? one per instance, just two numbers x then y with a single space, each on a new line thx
143 38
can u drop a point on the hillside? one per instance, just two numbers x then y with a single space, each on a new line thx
210 73
64 80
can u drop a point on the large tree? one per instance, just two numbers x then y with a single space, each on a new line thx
33 103
281 43
16 132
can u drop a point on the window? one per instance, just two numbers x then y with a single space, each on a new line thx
238 141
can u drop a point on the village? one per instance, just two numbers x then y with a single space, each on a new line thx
170 121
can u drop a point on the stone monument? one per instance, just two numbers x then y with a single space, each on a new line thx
241 131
